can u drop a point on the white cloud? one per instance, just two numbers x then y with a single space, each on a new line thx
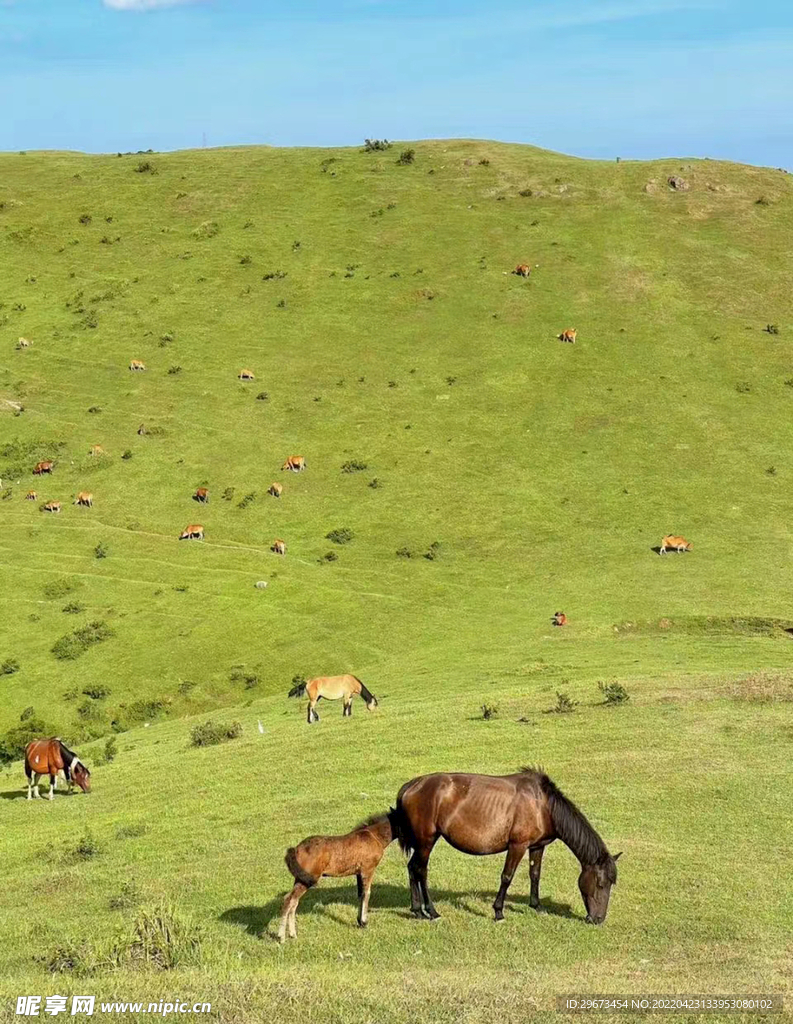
142 5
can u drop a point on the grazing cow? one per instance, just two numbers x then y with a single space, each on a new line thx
97 449
23 343
136 364
193 532
31 496
52 757
522 270
279 547
679 544
569 335
275 490
43 467
202 495
246 375
295 463
559 619
84 498
51 506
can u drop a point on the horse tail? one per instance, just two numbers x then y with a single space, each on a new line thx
296 870
298 690
401 828
367 695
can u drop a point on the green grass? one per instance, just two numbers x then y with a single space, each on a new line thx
545 474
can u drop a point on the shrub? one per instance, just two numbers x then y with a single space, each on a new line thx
771 471
433 551
87 847
525 193
208 229
484 162
162 939
489 711
281 304
85 218
376 145
743 387
613 693
129 896
353 466
75 644
329 556
97 692
70 694
228 494
762 201
59 588
404 553
275 275
9 667
564 705
144 710
131 831
111 749
342 535
101 550
247 500
771 329
73 608
145 167
185 687
12 746
173 370
126 455
375 484
263 396
245 261
211 733
407 156
95 408
240 675
166 339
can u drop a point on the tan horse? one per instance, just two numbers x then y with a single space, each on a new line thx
136 364
193 532
279 547
275 490
357 853
84 498
23 343
51 506
246 375
43 467
96 449
559 619
202 495
679 544
569 335
52 757
295 463
522 270
31 496
333 688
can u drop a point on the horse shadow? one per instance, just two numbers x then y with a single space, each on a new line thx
656 550
392 899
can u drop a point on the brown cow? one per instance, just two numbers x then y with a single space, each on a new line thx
43 467
295 463
202 495
522 270
279 547
679 544
569 335
275 490
246 375
136 364
84 498
51 506
193 532
31 496
559 619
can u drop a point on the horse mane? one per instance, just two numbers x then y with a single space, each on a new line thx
366 694
69 757
572 826
378 819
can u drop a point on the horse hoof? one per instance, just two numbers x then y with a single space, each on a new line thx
362 924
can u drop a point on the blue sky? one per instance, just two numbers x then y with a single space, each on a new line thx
599 78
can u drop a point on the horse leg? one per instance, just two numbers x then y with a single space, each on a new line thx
289 910
535 866
514 857
312 714
29 773
347 707
419 862
36 778
52 786
364 889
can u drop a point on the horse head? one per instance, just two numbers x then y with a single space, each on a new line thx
371 704
595 882
81 775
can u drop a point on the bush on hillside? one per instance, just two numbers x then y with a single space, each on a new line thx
613 693
211 733
564 705
376 145
353 466
343 535
407 156
73 645
9 667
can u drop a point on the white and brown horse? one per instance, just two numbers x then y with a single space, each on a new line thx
52 757
333 688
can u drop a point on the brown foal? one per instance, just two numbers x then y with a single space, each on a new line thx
357 853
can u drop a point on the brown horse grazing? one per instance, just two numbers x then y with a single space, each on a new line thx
522 270
31 496
52 757
43 467
51 506
136 364
333 688
279 547
295 463
193 532
358 853
559 619
275 490
246 375
679 544
569 335
84 498
482 814
202 495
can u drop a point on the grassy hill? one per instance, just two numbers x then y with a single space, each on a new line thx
374 303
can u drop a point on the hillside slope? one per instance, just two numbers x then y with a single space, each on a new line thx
391 335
